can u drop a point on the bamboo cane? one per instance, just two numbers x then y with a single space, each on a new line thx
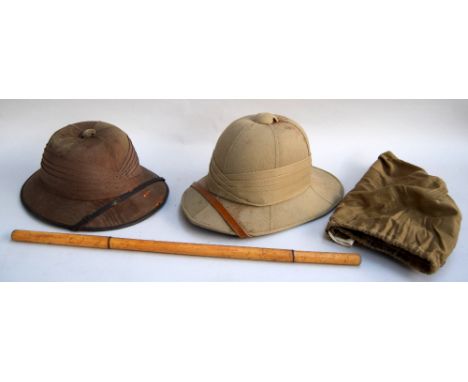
223 251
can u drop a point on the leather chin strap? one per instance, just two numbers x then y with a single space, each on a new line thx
222 211
113 203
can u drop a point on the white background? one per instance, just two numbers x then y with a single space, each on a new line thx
233 331
175 138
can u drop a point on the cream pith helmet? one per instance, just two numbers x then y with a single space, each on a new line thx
261 176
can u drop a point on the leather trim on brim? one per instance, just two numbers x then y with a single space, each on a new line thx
323 194
59 211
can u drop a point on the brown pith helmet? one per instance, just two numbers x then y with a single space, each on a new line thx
91 179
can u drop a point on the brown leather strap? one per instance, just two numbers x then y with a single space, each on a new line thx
114 202
223 212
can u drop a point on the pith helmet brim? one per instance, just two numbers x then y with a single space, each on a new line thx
323 194
68 213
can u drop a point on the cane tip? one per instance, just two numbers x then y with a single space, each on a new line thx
16 234
357 258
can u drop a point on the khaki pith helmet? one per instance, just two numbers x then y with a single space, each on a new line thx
262 175
91 179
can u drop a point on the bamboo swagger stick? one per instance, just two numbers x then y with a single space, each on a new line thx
223 251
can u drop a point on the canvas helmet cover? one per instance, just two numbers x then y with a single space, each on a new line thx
400 210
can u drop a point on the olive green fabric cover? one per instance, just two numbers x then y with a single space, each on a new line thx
400 210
